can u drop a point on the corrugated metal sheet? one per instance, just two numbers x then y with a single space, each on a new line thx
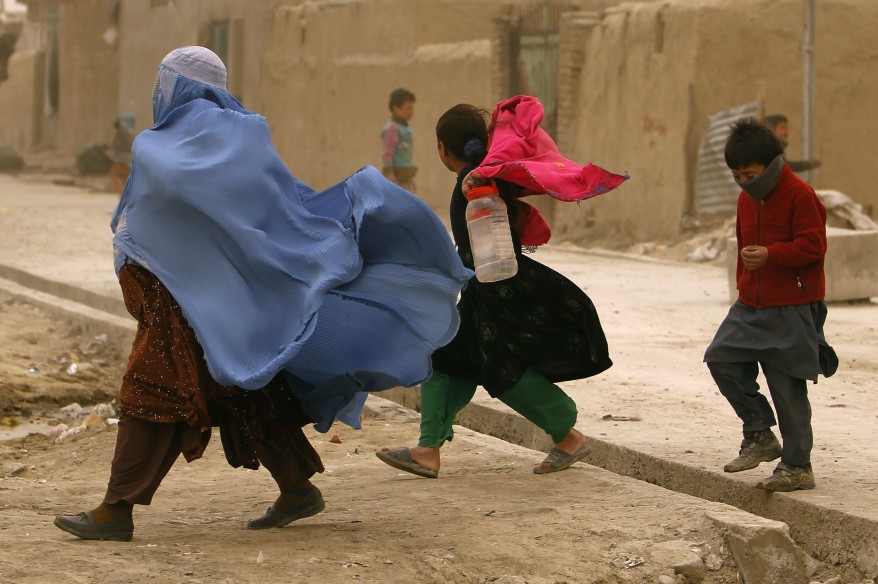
715 191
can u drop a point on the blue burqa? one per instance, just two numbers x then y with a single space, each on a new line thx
346 291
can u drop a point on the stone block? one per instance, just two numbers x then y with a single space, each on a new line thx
762 548
851 265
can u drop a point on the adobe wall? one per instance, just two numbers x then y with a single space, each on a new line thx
88 77
97 81
152 32
629 112
637 84
847 83
18 102
653 72
330 67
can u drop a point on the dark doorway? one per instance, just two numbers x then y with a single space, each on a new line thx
534 49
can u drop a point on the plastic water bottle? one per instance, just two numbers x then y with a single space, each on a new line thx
487 221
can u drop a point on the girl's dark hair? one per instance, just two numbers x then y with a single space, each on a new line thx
751 143
464 131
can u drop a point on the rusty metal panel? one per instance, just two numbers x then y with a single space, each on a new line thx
716 192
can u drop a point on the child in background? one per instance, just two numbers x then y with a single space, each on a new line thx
120 151
397 141
777 321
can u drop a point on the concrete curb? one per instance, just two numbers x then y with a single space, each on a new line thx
828 535
114 306
120 331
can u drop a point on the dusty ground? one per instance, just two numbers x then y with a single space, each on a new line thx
46 364
488 519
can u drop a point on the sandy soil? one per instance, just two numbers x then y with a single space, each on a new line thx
488 519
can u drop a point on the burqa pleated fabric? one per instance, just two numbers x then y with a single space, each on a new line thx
346 291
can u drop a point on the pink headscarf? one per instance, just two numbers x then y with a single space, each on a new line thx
521 152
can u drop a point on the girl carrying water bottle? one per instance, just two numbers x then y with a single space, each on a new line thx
517 336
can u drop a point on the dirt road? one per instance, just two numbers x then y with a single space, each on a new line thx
487 519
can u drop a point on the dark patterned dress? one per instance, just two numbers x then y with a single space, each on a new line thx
538 318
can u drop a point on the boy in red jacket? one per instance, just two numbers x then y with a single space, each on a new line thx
778 319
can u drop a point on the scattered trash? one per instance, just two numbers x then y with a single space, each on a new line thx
73 410
32 368
96 345
260 558
335 439
713 562
67 434
708 251
843 207
72 369
491 512
615 418
57 430
625 562
9 421
104 410
94 421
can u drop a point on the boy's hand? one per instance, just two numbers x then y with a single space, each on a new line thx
754 256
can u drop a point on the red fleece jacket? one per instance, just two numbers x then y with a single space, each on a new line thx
791 223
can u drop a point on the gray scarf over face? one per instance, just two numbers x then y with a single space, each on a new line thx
761 186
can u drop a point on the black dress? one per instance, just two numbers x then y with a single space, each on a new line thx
538 318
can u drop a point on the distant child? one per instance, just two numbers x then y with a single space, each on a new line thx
777 321
120 151
397 141
780 125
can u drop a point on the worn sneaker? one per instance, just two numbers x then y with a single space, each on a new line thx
760 446
788 477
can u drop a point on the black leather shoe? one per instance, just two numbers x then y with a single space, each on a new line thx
83 525
312 503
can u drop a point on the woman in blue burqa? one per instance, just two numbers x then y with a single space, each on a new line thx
262 305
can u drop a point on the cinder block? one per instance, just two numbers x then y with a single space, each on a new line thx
851 265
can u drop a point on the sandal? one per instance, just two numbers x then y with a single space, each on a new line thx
401 458
557 459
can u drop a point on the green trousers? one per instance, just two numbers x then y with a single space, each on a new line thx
534 397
